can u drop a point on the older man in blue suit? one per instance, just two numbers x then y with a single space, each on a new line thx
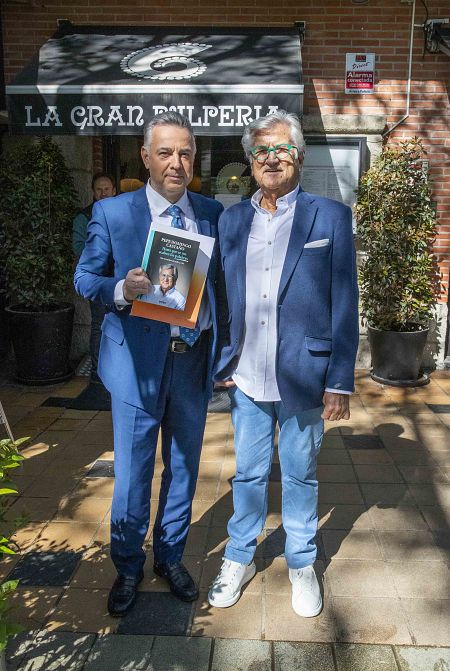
290 273
159 376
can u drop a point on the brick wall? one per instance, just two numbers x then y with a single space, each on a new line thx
334 27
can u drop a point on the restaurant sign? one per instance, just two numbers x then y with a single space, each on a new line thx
67 116
93 80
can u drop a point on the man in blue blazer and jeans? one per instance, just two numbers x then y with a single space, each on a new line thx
290 274
159 376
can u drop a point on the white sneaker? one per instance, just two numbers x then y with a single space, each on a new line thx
226 588
306 596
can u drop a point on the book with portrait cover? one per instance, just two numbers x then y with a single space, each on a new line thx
176 262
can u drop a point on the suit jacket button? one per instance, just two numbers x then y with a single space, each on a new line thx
146 329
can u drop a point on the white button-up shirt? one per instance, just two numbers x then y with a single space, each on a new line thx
266 250
268 241
158 208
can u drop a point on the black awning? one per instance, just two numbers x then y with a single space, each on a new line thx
442 36
93 80
437 37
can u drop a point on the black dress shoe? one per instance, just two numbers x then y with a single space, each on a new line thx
123 594
180 582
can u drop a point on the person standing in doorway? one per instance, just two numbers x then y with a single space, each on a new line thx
102 187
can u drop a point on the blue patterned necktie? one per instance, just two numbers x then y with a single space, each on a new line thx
189 336
175 213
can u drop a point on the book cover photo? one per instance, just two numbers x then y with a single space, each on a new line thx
170 266
176 262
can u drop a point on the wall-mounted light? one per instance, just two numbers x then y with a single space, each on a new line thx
360 2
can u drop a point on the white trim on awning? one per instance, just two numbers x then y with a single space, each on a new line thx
71 89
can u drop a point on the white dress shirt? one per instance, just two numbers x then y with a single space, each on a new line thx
158 208
268 241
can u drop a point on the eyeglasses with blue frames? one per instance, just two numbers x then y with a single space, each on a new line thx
282 151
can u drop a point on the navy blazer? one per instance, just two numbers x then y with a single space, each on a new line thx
133 349
317 306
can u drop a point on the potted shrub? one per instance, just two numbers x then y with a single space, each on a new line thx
398 277
9 459
4 335
36 210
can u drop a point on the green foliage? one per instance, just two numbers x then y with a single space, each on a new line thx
36 211
397 226
9 459
7 628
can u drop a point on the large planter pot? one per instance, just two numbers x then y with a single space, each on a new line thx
41 343
396 357
5 344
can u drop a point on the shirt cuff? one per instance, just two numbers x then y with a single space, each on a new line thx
338 391
119 299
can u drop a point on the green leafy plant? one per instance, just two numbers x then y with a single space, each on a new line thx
36 211
9 459
397 227
7 628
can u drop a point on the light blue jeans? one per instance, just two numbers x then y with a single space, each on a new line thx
300 437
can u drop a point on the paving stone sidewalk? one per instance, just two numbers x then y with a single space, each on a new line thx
69 651
384 507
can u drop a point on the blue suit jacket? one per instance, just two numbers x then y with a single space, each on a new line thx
317 306
133 350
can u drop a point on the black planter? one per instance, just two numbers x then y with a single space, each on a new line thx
41 343
5 344
396 357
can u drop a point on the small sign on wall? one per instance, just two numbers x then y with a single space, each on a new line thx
359 73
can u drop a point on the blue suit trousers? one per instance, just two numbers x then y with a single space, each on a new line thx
180 414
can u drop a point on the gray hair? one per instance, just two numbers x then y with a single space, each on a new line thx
266 122
169 266
167 119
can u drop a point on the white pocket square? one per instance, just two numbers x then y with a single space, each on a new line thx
317 243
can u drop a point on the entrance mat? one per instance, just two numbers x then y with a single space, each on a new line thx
103 468
96 397
439 408
220 402
93 397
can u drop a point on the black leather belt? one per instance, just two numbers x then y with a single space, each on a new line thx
179 346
